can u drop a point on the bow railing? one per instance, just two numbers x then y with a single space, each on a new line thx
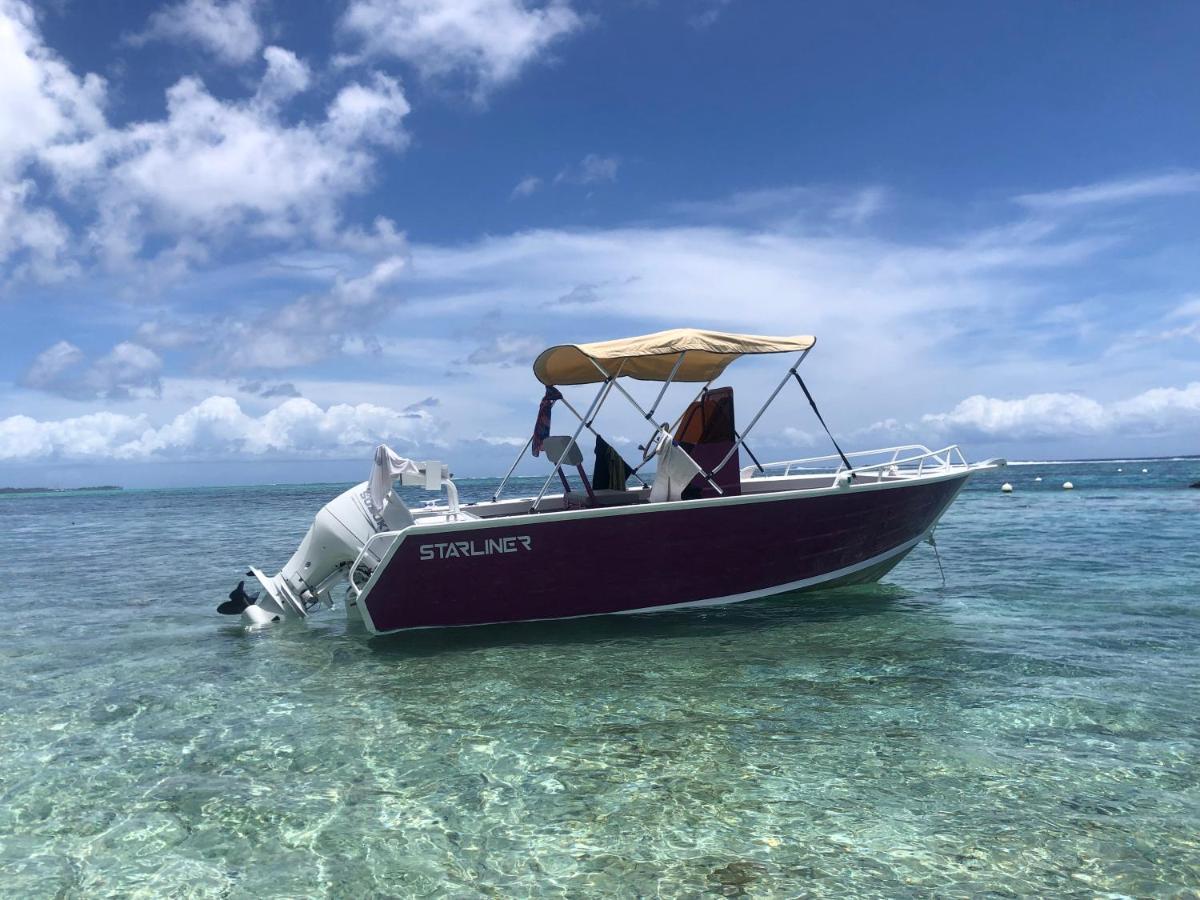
906 459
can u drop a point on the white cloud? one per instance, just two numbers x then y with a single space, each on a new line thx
128 370
344 320
506 349
797 282
792 205
217 428
526 186
1035 416
286 76
1064 415
707 17
862 206
592 169
487 42
1188 309
52 363
41 101
35 241
227 30
1180 323
1117 191
212 166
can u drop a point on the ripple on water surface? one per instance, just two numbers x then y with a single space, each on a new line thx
1029 729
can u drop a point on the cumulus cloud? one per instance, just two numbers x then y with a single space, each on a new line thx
128 370
227 30
34 240
1058 415
51 364
342 321
213 165
216 428
485 42
208 169
286 76
52 106
40 92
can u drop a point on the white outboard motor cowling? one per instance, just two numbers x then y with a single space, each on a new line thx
337 538
324 557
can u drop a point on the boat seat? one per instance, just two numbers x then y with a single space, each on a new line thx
562 449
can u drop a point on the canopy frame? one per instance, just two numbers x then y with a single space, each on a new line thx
649 416
609 380
593 411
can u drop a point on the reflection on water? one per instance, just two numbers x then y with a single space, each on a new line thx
1029 729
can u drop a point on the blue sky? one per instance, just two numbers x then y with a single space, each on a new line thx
245 241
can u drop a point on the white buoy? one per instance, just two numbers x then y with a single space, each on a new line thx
1067 486
1006 487
1144 471
1120 470
1039 478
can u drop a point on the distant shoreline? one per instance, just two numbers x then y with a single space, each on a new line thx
48 490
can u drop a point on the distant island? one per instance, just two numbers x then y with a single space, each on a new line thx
46 490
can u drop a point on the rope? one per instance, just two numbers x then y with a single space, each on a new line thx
938 556
820 418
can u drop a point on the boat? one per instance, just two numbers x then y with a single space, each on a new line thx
697 521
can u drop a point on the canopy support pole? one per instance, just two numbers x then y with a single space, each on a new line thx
666 384
589 427
511 469
699 394
619 387
597 402
775 393
649 416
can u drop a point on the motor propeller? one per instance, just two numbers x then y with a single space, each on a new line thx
238 601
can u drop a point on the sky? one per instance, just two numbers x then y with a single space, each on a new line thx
244 241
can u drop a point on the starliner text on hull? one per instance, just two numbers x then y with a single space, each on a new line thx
701 530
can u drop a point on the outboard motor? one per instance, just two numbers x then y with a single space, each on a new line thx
333 542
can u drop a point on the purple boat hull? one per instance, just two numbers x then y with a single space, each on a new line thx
648 557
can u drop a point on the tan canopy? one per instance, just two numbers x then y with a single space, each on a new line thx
651 357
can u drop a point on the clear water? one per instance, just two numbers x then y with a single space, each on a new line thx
1031 728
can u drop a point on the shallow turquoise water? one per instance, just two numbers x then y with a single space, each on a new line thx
1031 728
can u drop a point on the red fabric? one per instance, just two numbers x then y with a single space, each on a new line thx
541 428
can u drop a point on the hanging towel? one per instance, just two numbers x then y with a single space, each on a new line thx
675 470
387 467
541 428
610 472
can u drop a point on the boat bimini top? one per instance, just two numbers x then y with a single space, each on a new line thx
679 354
